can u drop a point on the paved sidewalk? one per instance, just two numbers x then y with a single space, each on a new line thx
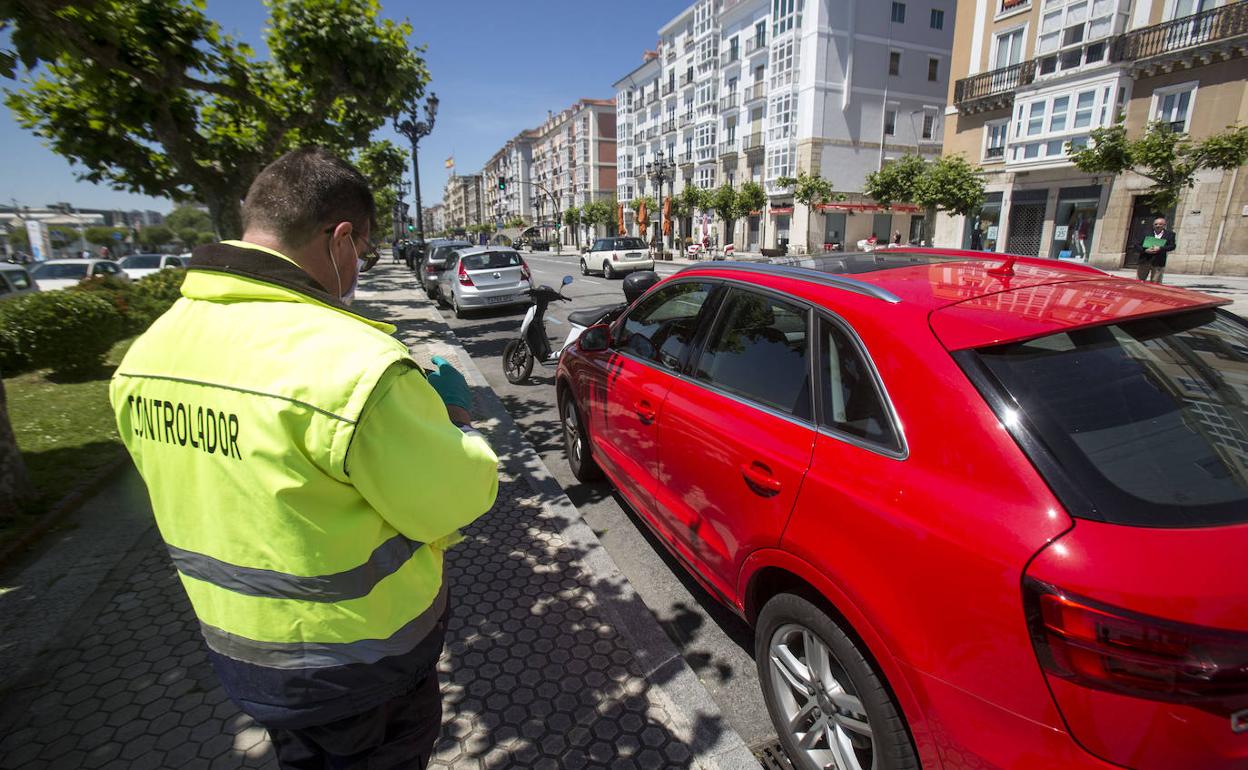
552 661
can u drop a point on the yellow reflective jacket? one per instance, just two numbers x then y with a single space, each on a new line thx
299 467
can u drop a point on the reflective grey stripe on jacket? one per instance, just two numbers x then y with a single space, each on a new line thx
293 655
354 583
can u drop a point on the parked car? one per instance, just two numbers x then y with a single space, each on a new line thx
616 256
138 265
63 273
982 511
484 276
435 261
15 280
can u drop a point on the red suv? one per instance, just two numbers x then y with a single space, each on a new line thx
982 511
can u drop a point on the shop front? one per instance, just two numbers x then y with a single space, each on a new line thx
1074 222
983 227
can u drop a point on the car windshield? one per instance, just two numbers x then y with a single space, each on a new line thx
140 263
18 278
629 243
1149 418
491 260
50 270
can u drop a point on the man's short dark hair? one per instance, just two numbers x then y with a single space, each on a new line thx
306 190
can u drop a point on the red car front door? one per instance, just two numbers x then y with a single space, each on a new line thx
649 348
736 438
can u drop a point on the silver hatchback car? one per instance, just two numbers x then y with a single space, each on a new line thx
484 276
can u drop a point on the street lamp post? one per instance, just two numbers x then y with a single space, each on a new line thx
415 130
659 170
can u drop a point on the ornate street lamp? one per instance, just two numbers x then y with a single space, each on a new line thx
415 130
662 169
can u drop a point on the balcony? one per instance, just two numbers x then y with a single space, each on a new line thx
685 159
686 79
686 119
669 126
728 102
1218 33
654 97
756 92
752 142
639 106
993 89
729 56
668 89
995 153
754 45
728 148
671 53
652 132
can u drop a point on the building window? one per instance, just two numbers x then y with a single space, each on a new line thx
1173 106
1073 33
705 178
938 19
781 115
995 133
890 122
929 125
782 63
899 13
894 62
779 161
1009 47
783 16
760 34
933 69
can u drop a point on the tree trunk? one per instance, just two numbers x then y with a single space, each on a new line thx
929 226
226 213
15 486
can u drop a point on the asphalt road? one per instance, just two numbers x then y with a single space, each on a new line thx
717 645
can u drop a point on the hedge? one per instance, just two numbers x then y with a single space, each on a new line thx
70 330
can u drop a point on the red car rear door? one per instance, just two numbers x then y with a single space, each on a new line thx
736 436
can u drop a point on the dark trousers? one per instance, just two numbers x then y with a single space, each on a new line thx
399 733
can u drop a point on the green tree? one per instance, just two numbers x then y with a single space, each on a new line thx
723 201
17 237
188 217
155 236
517 221
750 198
1168 159
103 236
572 217
810 190
383 164
150 96
599 212
948 183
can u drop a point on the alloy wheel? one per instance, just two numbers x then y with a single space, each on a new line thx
825 717
572 434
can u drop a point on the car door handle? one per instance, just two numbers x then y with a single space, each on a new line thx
644 410
759 479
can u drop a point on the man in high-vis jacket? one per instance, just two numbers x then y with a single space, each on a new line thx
306 475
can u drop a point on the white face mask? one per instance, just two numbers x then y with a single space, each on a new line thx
349 294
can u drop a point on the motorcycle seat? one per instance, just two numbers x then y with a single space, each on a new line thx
590 316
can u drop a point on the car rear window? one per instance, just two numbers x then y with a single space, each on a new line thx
1148 419
630 243
50 271
491 260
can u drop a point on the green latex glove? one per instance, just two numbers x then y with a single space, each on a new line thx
450 384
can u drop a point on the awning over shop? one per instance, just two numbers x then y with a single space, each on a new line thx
903 208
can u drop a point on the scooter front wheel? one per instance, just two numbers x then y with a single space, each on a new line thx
517 361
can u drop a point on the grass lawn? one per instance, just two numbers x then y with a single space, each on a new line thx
66 432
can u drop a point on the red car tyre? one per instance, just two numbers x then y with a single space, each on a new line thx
576 440
816 680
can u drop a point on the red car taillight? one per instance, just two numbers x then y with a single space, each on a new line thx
1113 649
524 271
463 275
615 257
430 269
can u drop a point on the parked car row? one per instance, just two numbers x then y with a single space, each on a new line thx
465 277
980 507
64 273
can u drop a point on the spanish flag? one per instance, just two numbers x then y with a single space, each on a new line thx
450 162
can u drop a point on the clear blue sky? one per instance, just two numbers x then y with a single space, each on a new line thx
497 67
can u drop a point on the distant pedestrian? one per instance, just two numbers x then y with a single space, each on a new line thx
896 237
1154 247
306 475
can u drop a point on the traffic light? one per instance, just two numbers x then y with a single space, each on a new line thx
410 227
502 183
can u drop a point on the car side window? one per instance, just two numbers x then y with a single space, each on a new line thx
852 402
19 279
4 284
760 349
661 328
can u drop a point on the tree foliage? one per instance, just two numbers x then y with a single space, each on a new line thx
383 164
1168 159
948 183
150 96
155 236
750 198
723 201
599 212
188 217
104 236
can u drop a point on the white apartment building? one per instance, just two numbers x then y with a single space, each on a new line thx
762 89
512 163
573 161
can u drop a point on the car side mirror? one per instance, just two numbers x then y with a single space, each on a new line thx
595 338
567 279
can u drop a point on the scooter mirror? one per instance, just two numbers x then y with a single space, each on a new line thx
567 279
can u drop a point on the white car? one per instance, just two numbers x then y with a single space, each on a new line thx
63 273
616 256
139 265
